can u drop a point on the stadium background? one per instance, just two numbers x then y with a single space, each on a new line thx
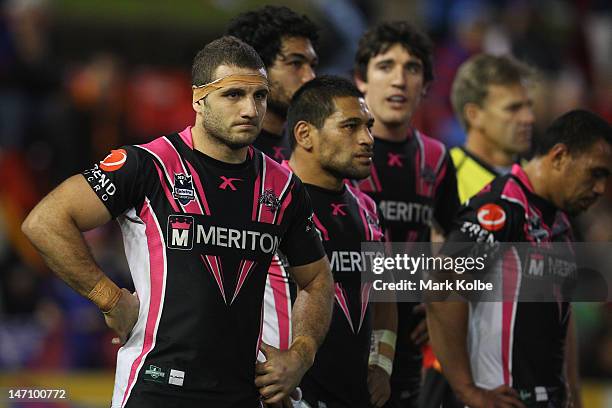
78 77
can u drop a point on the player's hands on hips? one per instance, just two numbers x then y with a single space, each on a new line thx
379 385
500 397
278 376
122 318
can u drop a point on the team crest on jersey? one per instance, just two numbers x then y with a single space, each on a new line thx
371 220
270 200
428 175
310 223
183 188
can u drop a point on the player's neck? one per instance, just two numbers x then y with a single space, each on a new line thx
539 177
481 147
311 173
214 148
397 133
273 123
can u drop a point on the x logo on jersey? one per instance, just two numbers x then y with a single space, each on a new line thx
278 152
337 209
228 182
395 160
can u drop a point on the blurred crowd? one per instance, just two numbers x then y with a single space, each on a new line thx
65 102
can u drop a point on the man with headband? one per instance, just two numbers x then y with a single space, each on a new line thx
285 41
202 212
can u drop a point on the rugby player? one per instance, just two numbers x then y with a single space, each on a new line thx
490 96
515 354
412 179
331 141
285 41
202 213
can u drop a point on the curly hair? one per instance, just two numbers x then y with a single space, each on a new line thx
380 38
263 29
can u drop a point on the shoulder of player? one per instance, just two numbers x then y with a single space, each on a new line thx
363 200
493 207
430 143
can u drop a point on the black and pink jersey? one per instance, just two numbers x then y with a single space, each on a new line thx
275 146
414 183
519 344
199 235
344 219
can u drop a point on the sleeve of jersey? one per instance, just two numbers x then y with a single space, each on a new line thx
481 225
116 180
447 197
301 244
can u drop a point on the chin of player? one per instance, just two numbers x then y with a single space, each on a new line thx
358 171
395 117
243 137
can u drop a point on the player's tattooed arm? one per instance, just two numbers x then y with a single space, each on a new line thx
311 315
55 228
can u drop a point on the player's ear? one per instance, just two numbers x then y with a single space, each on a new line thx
198 106
472 113
425 89
559 156
360 83
303 134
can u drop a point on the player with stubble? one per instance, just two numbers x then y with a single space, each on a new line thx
330 132
286 42
202 213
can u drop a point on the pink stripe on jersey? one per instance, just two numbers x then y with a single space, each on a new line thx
514 193
364 222
341 298
167 154
320 227
439 179
214 267
430 156
510 269
198 186
162 181
246 266
275 181
157 263
371 184
365 298
187 137
520 174
282 304
256 194
261 321
283 208
375 179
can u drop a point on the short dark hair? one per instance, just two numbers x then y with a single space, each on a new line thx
314 101
380 38
577 129
226 50
263 29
